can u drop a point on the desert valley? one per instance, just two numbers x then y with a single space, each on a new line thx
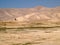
30 26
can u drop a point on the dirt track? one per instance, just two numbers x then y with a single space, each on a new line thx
49 36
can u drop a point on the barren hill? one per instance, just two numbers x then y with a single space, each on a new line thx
38 13
30 26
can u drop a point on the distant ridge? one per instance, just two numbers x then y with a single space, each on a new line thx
39 13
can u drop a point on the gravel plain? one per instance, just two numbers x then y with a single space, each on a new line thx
35 36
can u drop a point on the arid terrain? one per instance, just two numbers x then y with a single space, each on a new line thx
30 36
30 14
30 26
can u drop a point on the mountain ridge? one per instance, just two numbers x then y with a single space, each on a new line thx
30 14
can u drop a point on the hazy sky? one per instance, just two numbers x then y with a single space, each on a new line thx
28 3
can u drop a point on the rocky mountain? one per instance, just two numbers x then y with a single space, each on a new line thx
35 14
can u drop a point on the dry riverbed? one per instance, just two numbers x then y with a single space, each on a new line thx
35 36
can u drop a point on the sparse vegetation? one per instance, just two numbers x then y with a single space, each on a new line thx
28 43
3 29
17 44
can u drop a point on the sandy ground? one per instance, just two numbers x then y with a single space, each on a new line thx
50 36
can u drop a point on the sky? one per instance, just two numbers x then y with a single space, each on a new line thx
28 3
